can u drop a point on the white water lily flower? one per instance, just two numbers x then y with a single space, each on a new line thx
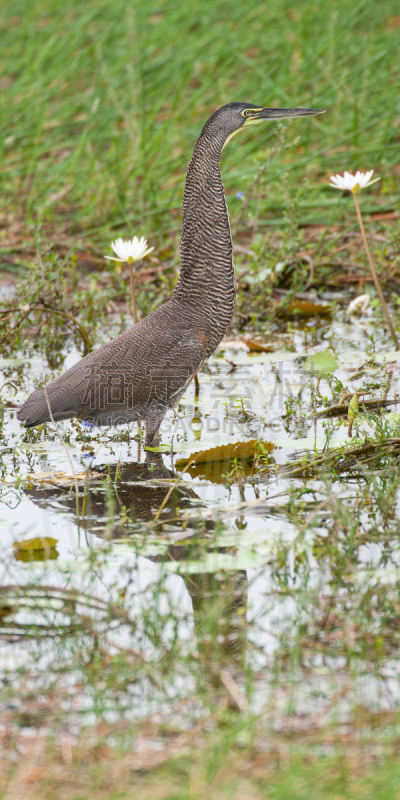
129 252
353 183
359 304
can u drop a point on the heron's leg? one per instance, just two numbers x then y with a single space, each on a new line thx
154 458
152 438
156 467
153 421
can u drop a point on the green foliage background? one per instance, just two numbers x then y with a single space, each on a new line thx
101 103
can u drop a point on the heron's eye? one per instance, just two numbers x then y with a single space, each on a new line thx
247 113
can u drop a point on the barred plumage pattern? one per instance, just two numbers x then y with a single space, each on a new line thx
207 280
145 370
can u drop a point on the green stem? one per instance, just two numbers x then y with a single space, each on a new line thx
375 275
133 295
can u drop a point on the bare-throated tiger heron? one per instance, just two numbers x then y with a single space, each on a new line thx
145 370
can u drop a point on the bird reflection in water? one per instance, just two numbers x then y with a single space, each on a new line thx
135 491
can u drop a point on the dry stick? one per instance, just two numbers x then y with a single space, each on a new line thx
345 396
375 275
133 295
234 691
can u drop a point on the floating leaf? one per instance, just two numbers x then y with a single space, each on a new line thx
247 344
227 452
41 548
213 464
322 363
258 347
306 308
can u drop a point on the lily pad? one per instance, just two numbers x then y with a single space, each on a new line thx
321 363
306 308
41 548
215 463
258 347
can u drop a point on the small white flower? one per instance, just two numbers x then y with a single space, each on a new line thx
353 182
359 304
128 252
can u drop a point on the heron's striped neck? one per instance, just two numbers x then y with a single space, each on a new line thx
207 278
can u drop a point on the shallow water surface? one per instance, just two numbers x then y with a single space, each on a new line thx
220 554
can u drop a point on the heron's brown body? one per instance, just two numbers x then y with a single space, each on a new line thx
137 375
144 371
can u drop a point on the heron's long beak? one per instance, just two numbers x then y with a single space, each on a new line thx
281 113
259 115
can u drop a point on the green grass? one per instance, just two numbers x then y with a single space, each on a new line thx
102 102
222 771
